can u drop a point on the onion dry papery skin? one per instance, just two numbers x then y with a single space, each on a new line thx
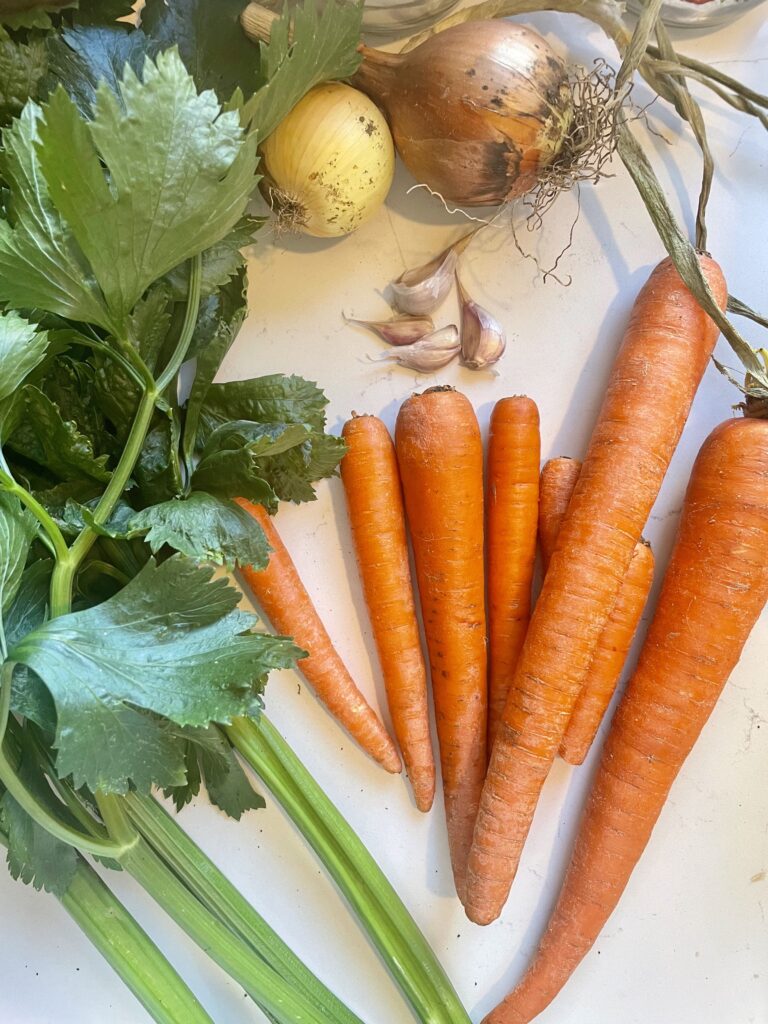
476 111
329 163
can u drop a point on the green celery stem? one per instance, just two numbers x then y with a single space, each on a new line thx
267 989
221 898
380 911
129 951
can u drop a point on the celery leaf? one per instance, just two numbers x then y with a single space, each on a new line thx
171 643
22 67
22 347
203 527
158 175
306 47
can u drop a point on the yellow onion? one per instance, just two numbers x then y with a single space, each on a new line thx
476 110
329 163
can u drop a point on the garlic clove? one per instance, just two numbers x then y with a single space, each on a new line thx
429 353
482 337
422 289
400 330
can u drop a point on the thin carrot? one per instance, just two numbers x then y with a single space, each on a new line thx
512 499
377 518
289 608
666 349
558 478
440 455
557 483
714 590
610 657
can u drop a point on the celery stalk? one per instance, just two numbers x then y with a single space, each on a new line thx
221 898
381 912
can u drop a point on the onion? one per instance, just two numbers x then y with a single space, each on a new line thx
476 111
329 163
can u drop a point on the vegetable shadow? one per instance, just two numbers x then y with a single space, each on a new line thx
290 241
579 418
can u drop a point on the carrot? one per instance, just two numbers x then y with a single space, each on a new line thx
557 483
558 478
512 499
289 608
714 590
440 455
666 349
610 656
377 518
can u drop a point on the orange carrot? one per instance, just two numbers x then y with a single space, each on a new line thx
714 590
512 499
557 483
440 454
610 656
558 478
289 608
377 518
666 349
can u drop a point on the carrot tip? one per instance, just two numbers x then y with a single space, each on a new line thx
573 757
481 916
391 762
423 788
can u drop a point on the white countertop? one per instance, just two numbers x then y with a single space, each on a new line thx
689 943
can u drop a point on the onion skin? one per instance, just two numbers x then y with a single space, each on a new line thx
329 163
476 110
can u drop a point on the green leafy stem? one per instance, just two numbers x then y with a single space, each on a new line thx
199 897
266 987
171 868
128 949
68 564
53 825
216 892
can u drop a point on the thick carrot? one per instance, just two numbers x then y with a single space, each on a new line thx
512 500
714 590
377 517
289 608
440 454
666 349
558 478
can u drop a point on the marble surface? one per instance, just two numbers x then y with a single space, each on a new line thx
689 943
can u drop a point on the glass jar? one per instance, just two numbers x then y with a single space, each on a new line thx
387 17
690 14
400 17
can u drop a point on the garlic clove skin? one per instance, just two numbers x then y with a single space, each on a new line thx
420 291
400 330
430 353
483 340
